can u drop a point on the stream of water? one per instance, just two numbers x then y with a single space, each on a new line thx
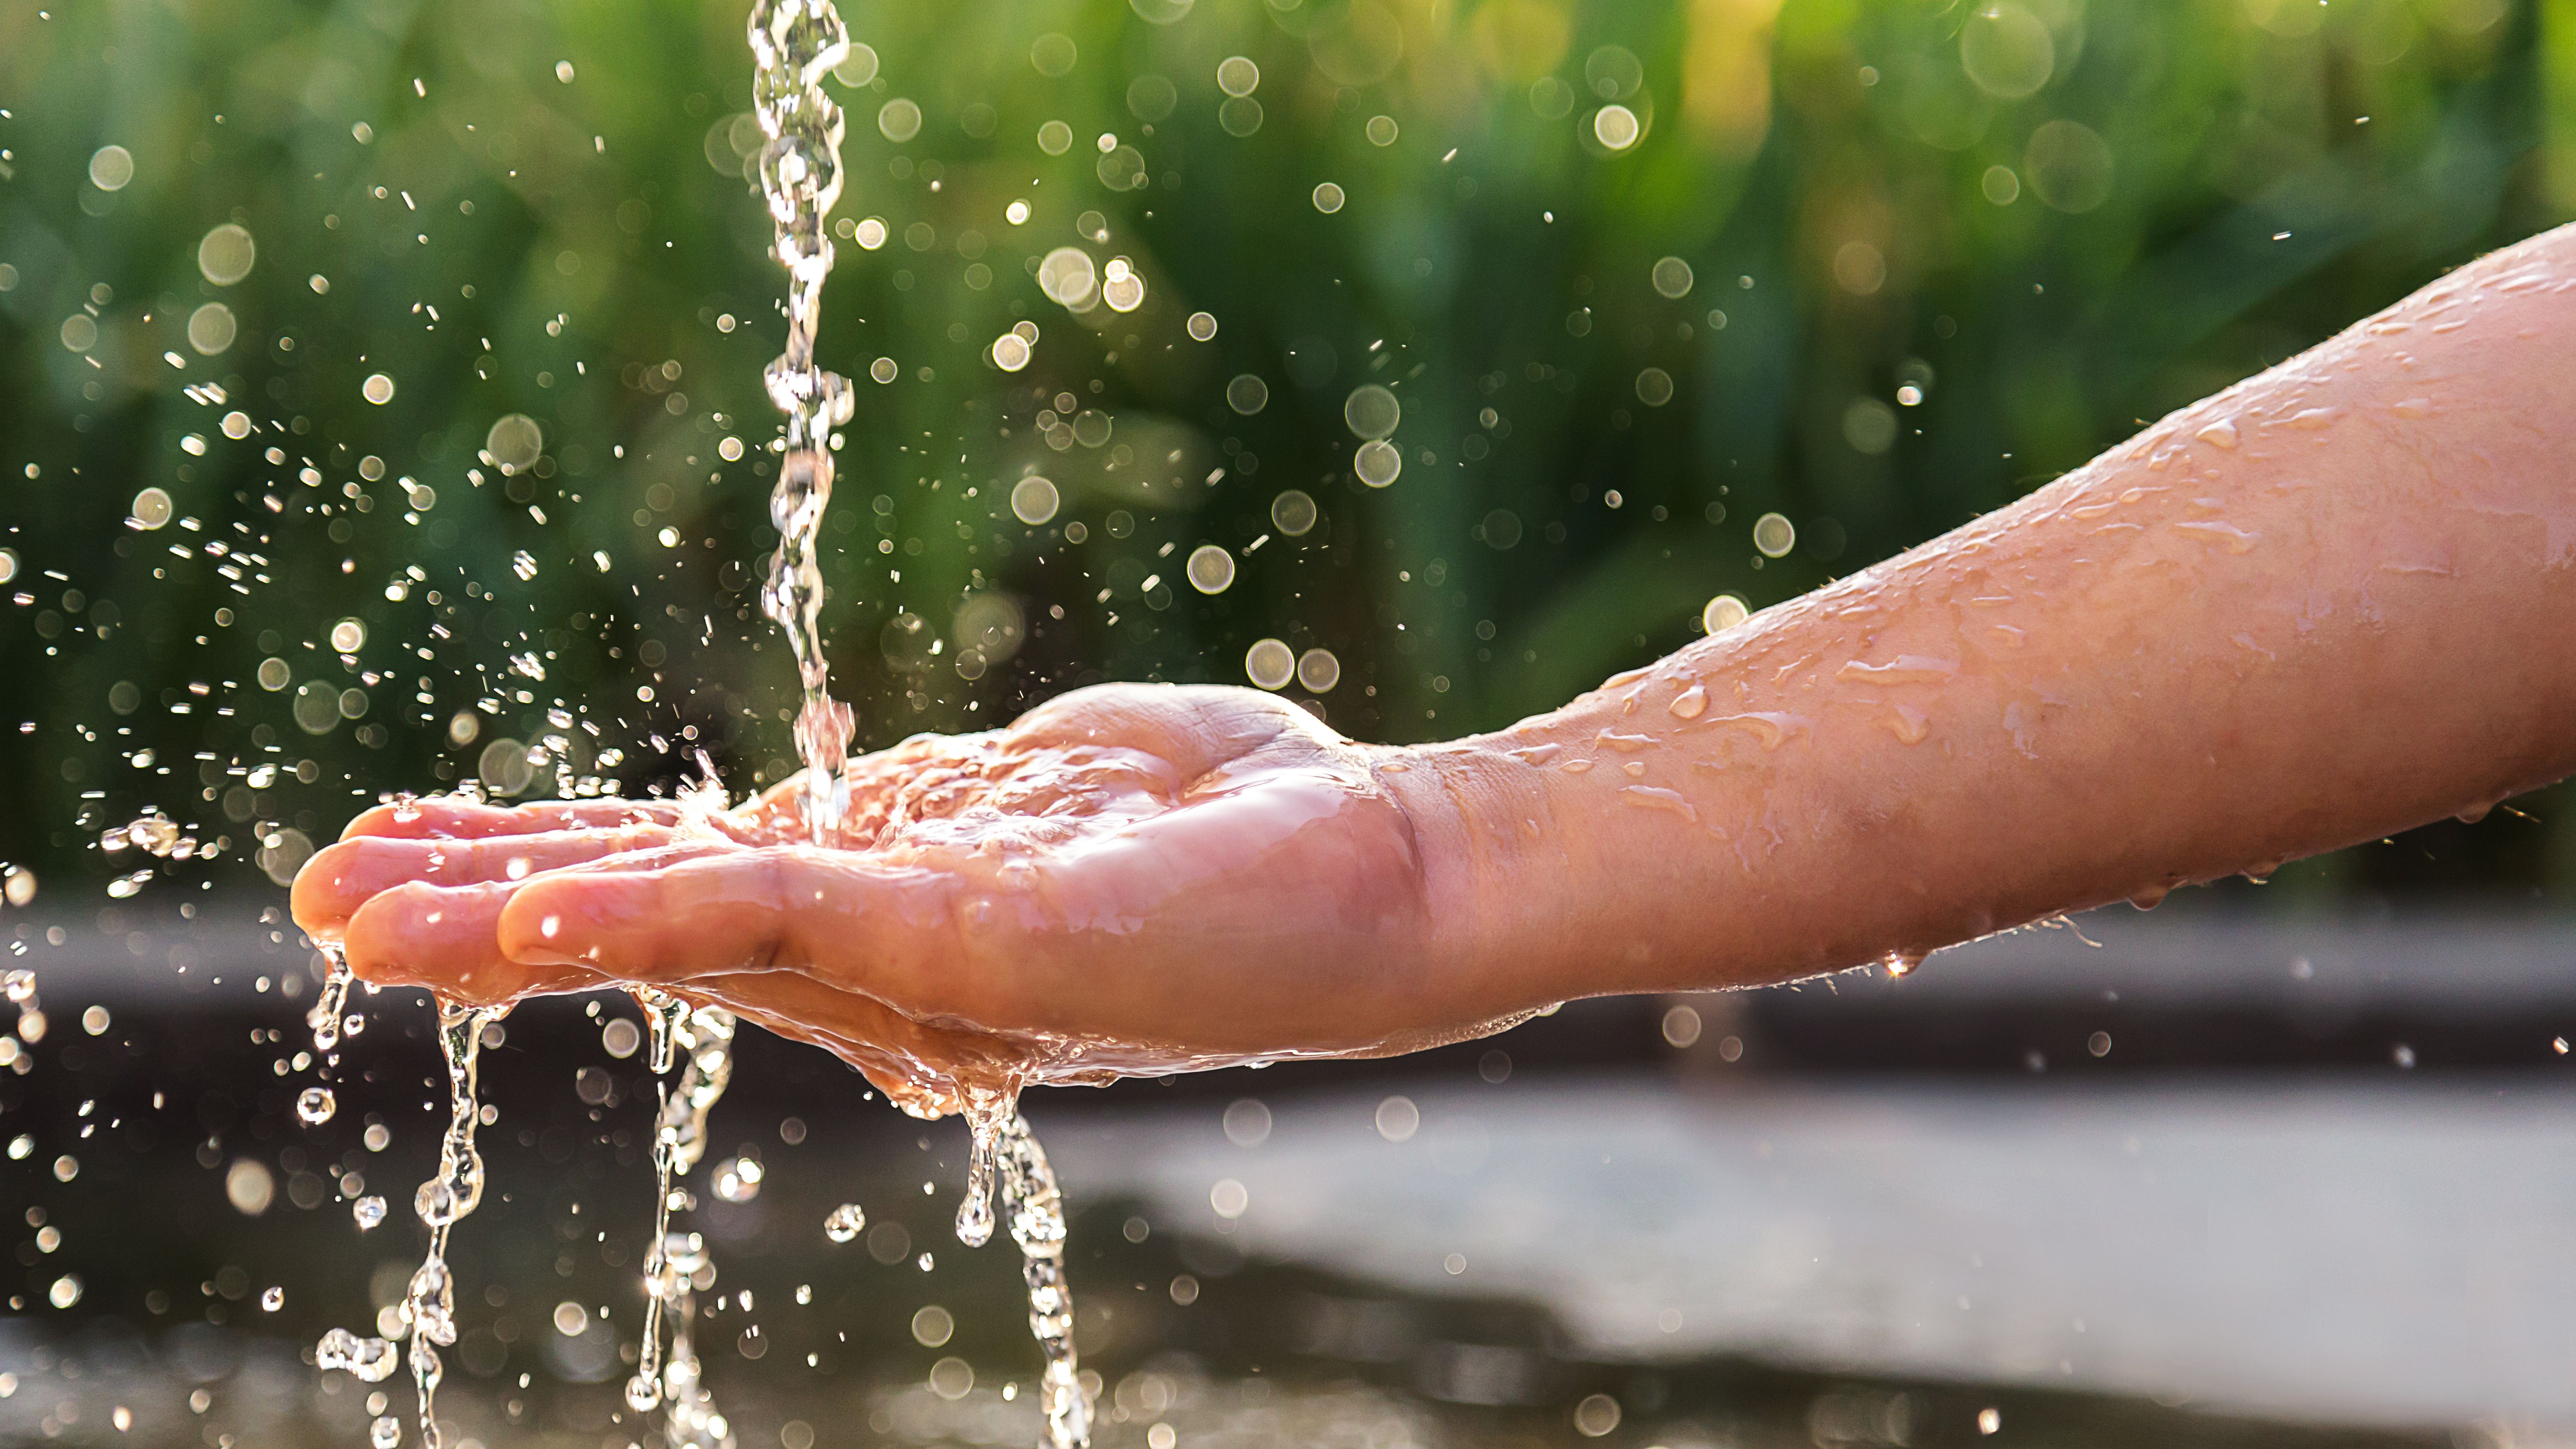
794 44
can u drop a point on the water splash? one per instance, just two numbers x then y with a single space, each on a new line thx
314 1106
317 1104
845 1222
369 1360
20 986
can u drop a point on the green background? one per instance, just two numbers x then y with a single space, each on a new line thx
2048 220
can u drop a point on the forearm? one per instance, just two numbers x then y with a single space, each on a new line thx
2332 602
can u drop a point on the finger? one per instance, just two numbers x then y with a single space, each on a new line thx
745 910
340 878
447 816
444 938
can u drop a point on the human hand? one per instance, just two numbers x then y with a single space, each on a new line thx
1128 879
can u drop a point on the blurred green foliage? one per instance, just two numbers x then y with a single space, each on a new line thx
1930 257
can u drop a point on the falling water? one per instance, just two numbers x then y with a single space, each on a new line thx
794 45
1037 1225
316 1104
429 1307
676 1264
324 1018
1005 1153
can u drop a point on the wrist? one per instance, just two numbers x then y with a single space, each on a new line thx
1502 860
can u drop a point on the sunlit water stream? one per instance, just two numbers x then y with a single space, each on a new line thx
795 45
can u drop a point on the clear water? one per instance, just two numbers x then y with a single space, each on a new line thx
795 44
428 1311
677 1264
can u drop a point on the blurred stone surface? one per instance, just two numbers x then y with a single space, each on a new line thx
2367 1252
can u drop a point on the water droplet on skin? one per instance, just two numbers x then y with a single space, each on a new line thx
1901 963
1689 704
1908 724
2150 897
1903 669
2413 407
2312 419
2475 813
1655 797
2261 871
1769 729
2226 535
2220 434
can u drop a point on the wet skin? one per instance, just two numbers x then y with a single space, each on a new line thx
1005 906
2332 602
